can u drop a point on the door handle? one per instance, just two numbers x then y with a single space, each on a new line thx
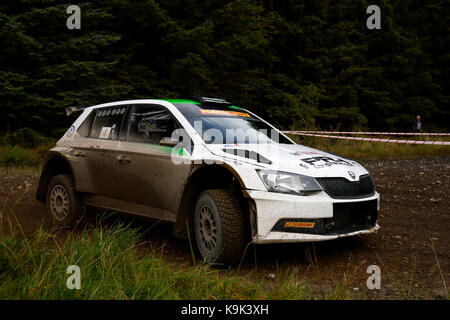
79 154
123 159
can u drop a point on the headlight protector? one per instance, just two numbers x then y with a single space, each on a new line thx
285 182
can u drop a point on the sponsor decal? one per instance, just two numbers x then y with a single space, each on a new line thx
303 165
321 162
297 224
304 153
71 131
104 134
224 113
231 145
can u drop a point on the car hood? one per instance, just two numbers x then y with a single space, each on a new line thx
291 158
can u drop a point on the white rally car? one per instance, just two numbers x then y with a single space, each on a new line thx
211 169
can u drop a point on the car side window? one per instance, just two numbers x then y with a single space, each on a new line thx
107 122
150 123
85 127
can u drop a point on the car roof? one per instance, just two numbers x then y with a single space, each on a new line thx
172 102
133 101
181 101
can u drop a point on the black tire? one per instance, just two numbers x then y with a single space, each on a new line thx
218 213
63 203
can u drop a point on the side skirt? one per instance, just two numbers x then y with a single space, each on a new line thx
128 207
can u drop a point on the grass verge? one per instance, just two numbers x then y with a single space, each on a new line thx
112 267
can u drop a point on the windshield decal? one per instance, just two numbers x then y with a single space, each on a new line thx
224 113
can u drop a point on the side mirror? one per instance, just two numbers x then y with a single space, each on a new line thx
167 141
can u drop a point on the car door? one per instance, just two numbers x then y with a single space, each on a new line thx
79 155
147 174
95 154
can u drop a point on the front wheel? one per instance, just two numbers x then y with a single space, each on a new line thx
219 227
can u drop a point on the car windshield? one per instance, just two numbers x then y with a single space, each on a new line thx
229 125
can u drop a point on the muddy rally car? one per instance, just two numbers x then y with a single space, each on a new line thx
214 170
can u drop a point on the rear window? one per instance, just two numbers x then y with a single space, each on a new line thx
107 123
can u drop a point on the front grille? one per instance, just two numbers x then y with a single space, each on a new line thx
341 188
347 217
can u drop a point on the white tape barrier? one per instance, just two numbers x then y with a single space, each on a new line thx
441 143
379 133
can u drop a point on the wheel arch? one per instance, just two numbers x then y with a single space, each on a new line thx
213 176
55 164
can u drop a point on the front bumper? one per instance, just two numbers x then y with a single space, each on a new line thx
310 218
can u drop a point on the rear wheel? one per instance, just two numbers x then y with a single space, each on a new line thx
63 203
219 227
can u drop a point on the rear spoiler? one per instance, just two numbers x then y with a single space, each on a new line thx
70 110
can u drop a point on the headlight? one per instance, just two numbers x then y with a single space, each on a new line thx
285 182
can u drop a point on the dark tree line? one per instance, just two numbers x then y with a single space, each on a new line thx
297 63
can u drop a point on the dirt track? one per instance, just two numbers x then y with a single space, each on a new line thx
415 217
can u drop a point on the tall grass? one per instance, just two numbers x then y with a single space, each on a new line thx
17 156
24 148
113 267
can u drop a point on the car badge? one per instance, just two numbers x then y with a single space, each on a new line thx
352 175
